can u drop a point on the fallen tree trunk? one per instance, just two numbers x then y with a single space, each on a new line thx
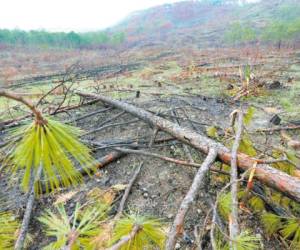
274 178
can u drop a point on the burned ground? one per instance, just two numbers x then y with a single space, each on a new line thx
199 95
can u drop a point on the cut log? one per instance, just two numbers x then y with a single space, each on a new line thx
274 178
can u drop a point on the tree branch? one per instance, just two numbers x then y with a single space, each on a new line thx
233 217
177 226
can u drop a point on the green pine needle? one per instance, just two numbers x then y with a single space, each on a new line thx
8 229
54 146
246 146
291 230
150 235
288 227
224 203
85 224
212 132
257 204
248 117
246 241
271 222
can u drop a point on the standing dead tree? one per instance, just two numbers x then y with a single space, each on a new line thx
280 181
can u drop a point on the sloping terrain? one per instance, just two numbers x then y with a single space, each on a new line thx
198 23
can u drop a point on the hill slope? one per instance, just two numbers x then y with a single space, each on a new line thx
200 23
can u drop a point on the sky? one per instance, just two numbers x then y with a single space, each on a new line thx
67 15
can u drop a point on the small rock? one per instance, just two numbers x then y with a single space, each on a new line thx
274 85
261 84
118 162
177 246
170 216
275 119
104 180
290 79
187 239
137 94
145 190
199 211
153 196
145 195
229 86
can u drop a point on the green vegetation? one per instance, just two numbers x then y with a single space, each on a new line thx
150 233
245 241
279 31
8 230
59 39
85 225
50 145
240 33
288 227
76 231
284 26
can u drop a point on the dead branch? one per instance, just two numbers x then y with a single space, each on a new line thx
109 158
49 92
110 225
111 125
127 190
13 96
177 226
233 217
185 147
29 206
155 132
15 122
111 118
212 230
89 115
168 159
292 127
66 92
280 181
214 220
126 238
289 141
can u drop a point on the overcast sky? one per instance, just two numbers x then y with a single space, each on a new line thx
66 15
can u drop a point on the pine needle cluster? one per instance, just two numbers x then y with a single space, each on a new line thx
75 231
53 145
288 227
8 230
150 233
